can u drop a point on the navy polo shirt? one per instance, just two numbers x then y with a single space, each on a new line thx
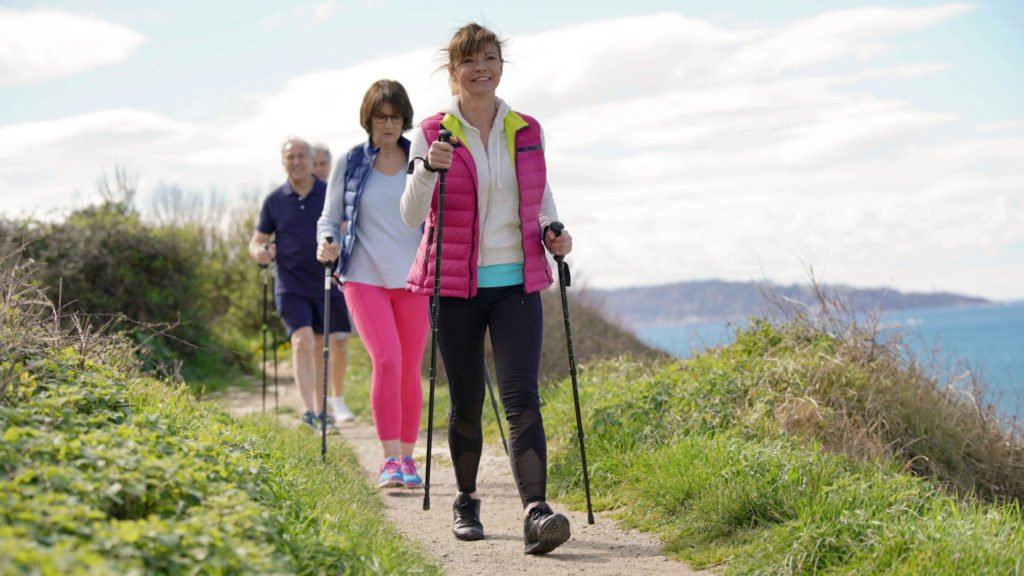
293 220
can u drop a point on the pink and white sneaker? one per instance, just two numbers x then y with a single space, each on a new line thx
390 474
410 477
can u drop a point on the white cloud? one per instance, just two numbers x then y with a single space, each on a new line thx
678 149
323 11
35 137
833 36
41 45
300 15
1012 125
838 133
42 163
321 106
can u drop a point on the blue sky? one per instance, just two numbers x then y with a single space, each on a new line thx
881 143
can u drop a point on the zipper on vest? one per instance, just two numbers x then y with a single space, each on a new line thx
522 229
475 246
350 231
471 264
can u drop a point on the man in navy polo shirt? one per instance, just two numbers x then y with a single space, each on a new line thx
290 213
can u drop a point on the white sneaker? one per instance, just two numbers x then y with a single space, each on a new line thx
340 412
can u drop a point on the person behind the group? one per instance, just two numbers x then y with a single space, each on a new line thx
290 214
322 161
376 251
498 207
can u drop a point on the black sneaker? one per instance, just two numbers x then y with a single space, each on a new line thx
467 518
328 426
543 530
309 421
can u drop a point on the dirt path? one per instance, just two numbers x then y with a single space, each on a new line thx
599 549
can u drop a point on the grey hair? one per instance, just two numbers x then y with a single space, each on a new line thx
296 140
321 147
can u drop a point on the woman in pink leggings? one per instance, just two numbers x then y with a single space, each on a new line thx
375 252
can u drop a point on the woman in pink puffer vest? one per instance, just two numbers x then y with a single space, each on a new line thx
498 207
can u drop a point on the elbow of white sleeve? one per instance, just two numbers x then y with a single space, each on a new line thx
408 214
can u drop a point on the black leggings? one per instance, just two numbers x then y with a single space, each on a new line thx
516 322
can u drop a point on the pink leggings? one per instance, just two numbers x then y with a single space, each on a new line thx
393 325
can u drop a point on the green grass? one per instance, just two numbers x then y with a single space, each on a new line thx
799 449
213 370
709 455
105 473
750 459
208 372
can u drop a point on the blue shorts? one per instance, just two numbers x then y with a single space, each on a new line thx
298 311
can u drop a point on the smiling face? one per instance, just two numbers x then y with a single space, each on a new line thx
480 73
297 159
475 61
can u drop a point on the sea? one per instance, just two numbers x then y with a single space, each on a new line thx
986 341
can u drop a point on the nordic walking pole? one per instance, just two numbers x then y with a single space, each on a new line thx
494 402
273 339
263 277
435 301
563 281
328 268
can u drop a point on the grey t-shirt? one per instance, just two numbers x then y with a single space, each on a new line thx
385 246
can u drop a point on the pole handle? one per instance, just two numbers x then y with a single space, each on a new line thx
265 248
563 268
446 137
557 228
330 240
329 266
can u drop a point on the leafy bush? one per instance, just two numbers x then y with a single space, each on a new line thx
104 263
103 471
182 287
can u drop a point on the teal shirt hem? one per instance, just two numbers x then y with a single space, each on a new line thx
499 275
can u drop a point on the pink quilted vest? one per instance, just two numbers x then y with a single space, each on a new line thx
461 240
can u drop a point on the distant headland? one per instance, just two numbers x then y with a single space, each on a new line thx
709 299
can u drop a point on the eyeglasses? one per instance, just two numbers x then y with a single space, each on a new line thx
382 118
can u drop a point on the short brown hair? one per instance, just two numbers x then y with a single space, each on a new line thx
467 41
381 91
